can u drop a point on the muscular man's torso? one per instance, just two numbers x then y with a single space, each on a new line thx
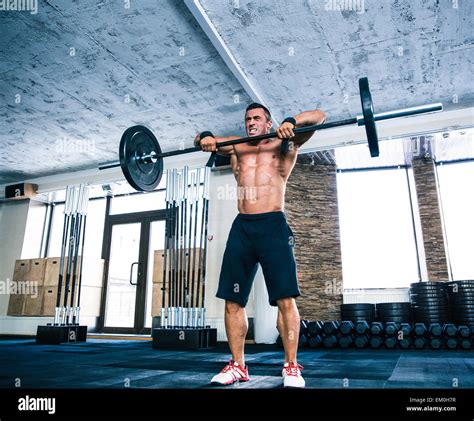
261 173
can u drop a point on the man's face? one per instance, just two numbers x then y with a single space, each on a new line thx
256 122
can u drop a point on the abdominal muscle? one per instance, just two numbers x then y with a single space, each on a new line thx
261 175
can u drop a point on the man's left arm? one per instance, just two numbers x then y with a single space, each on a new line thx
306 118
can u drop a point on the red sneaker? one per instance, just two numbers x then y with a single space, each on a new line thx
292 375
231 373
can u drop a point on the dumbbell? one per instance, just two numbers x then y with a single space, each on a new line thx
315 328
304 327
376 328
391 342
391 328
315 341
435 329
435 342
452 342
362 327
450 330
345 341
466 343
406 330
346 327
406 342
361 341
330 341
303 341
419 342
464 331
420 329
376 342
331 327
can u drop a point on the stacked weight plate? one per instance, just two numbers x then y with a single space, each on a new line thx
461 301
429 302
394 312
358 312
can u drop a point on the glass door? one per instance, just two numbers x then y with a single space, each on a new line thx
133 251
154 272
123 274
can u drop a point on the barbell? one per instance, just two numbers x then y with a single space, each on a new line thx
141 158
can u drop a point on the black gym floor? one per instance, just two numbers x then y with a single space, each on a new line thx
108 363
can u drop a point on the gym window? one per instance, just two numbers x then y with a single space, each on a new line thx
376 225
457 205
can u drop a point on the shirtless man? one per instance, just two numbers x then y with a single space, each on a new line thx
260 234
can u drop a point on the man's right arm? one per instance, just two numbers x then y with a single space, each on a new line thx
208 144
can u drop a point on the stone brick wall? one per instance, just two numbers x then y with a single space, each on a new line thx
312 211
430 215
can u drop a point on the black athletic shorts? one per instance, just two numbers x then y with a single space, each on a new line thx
264 238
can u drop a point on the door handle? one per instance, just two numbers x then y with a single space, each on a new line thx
131 273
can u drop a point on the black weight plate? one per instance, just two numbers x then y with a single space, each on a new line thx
460 287
431 309
459 303
441 298
417 317
394 310
463 321
432 291
396 320
461 295
358 306
391 306
429 290
359 318
422 310
434 296
428 303
429 306
368 112
469 282
429 284
462 308
136 142
462 313
359 313
429 298
431 319
398 316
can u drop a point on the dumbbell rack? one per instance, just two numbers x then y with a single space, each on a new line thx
384 335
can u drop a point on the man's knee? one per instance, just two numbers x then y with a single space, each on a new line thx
285 304
233 307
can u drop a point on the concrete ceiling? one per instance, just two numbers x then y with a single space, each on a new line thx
74 109
302 56
152 64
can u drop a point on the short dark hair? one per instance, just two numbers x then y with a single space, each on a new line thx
255 105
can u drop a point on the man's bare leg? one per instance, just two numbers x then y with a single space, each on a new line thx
288 324
236 327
